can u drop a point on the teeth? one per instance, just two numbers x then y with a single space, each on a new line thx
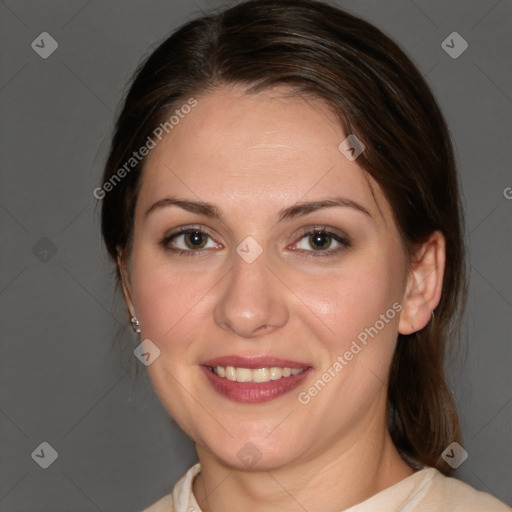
258 375
243 375
230 373
275 373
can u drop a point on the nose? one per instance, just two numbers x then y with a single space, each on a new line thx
252 301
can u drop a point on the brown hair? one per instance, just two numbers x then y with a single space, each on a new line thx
378 95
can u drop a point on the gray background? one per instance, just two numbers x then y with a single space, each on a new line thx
66 352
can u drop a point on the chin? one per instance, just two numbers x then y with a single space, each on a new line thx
255 452
250 458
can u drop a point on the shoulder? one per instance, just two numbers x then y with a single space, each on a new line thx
163 504
181 498
452 495
428 490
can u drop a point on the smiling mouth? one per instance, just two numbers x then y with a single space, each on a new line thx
256 375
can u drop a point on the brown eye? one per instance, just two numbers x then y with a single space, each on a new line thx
320 240
195 239
188 240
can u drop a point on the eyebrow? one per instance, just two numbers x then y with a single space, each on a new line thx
295 211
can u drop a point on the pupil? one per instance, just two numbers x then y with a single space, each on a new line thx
320 240
195 239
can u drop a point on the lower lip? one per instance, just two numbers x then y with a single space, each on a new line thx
254 392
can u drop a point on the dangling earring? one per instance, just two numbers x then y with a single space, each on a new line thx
135 324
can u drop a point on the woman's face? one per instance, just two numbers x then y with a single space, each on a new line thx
250 286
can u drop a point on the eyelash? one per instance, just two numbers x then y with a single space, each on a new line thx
344 241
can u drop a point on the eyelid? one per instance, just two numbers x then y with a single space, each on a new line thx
188 228
322 228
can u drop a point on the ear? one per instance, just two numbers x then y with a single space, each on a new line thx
125 282
424 284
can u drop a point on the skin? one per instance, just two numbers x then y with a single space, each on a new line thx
251 156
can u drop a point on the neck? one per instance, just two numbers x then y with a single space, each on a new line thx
348 473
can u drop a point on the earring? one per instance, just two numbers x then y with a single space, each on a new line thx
135 324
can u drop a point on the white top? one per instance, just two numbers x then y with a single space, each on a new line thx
427 490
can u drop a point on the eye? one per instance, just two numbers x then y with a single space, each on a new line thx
187 240
318 241
322 241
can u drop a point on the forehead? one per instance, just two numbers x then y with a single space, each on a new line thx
269 149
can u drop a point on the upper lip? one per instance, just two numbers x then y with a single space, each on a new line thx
253 362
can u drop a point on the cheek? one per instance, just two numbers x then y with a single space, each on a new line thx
168 303
346 303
